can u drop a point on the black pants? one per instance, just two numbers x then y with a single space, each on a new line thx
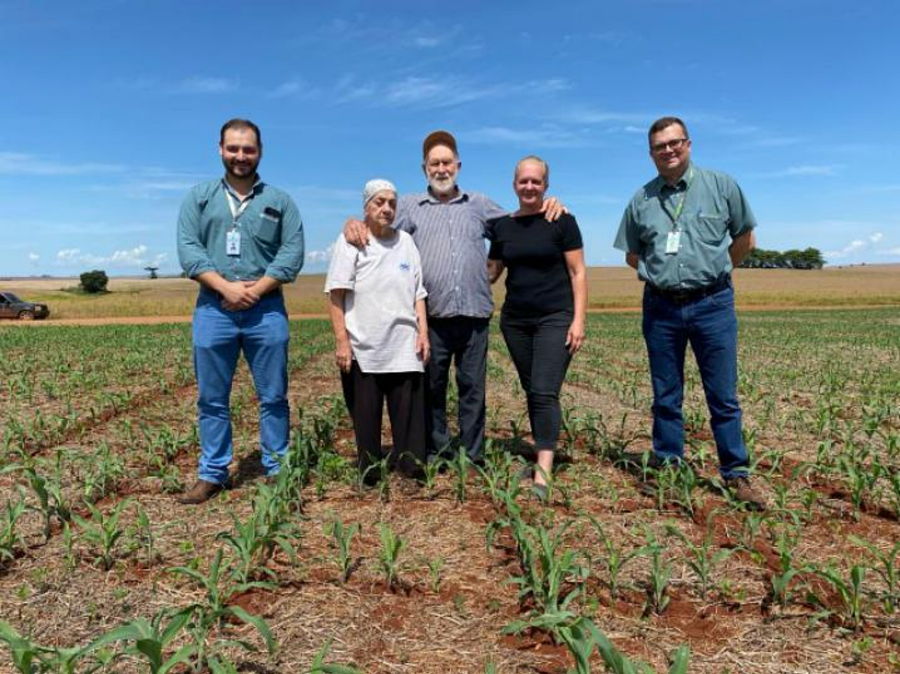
538 349
405 392
464 340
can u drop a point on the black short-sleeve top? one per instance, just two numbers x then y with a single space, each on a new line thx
533 252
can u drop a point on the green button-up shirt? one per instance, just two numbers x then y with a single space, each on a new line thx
271 233
713 213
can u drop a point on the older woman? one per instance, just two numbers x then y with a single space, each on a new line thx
381 334
546 296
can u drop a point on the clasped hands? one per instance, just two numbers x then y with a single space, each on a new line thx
239 295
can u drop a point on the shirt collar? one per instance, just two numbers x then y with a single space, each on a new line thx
682 184
257 186
429 198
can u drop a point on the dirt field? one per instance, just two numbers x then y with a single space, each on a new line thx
610 288
97 432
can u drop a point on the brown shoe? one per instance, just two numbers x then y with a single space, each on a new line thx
201 492
742 491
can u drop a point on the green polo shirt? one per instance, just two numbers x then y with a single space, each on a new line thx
713 213
271 233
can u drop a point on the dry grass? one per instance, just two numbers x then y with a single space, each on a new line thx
610 288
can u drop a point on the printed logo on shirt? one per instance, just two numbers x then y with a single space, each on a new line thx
404 266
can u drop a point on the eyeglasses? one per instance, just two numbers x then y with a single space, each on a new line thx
670 145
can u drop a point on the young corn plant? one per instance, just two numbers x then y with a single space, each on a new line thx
460 466
392 546
886 563
781 580
10 538
850 590
214 610
702 558
319 666
31 658
103 531
614 558
434 573
152 640
660 575
143 534
548 568
254 540
342 542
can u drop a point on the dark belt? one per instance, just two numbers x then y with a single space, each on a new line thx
688 295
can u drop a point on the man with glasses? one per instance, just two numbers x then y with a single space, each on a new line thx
240 239
684 232
447 225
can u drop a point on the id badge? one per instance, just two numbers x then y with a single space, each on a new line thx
233 242
673 242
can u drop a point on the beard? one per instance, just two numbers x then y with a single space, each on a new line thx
442 187
241 171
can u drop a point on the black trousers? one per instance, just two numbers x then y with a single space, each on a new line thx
538 349
464 340
405 393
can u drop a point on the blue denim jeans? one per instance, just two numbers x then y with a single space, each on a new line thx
219 336
710 326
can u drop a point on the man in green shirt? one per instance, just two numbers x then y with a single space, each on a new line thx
683 232
240 239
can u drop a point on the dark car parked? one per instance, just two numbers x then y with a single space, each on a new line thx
12 307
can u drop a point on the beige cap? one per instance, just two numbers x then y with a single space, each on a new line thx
438 138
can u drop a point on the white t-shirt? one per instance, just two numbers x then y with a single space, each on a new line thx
384 280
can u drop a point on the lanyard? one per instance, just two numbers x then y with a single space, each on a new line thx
674 216
237 207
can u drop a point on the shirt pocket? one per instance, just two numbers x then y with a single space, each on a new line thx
267 229
711 228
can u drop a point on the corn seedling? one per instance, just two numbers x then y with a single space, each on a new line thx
614 557
886 565
392 546
849 589
214 609
103 531
660 575
319 666
342 541
702 558
151 639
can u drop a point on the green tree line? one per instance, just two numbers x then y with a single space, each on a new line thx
759 258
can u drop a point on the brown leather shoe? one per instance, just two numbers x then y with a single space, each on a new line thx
201 492
742 491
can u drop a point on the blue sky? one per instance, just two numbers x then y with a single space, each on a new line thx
112 108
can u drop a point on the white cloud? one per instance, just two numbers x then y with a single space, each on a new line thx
319 256
34 257
856 246
133 257
546 136
803 170
22 163
427 42
205 85
430 93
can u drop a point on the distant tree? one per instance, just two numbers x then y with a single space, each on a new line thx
94 281
152 271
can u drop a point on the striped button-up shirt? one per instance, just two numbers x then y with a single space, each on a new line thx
450 237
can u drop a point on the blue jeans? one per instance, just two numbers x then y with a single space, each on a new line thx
219 336
710 325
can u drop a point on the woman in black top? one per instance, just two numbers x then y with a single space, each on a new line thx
546 296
